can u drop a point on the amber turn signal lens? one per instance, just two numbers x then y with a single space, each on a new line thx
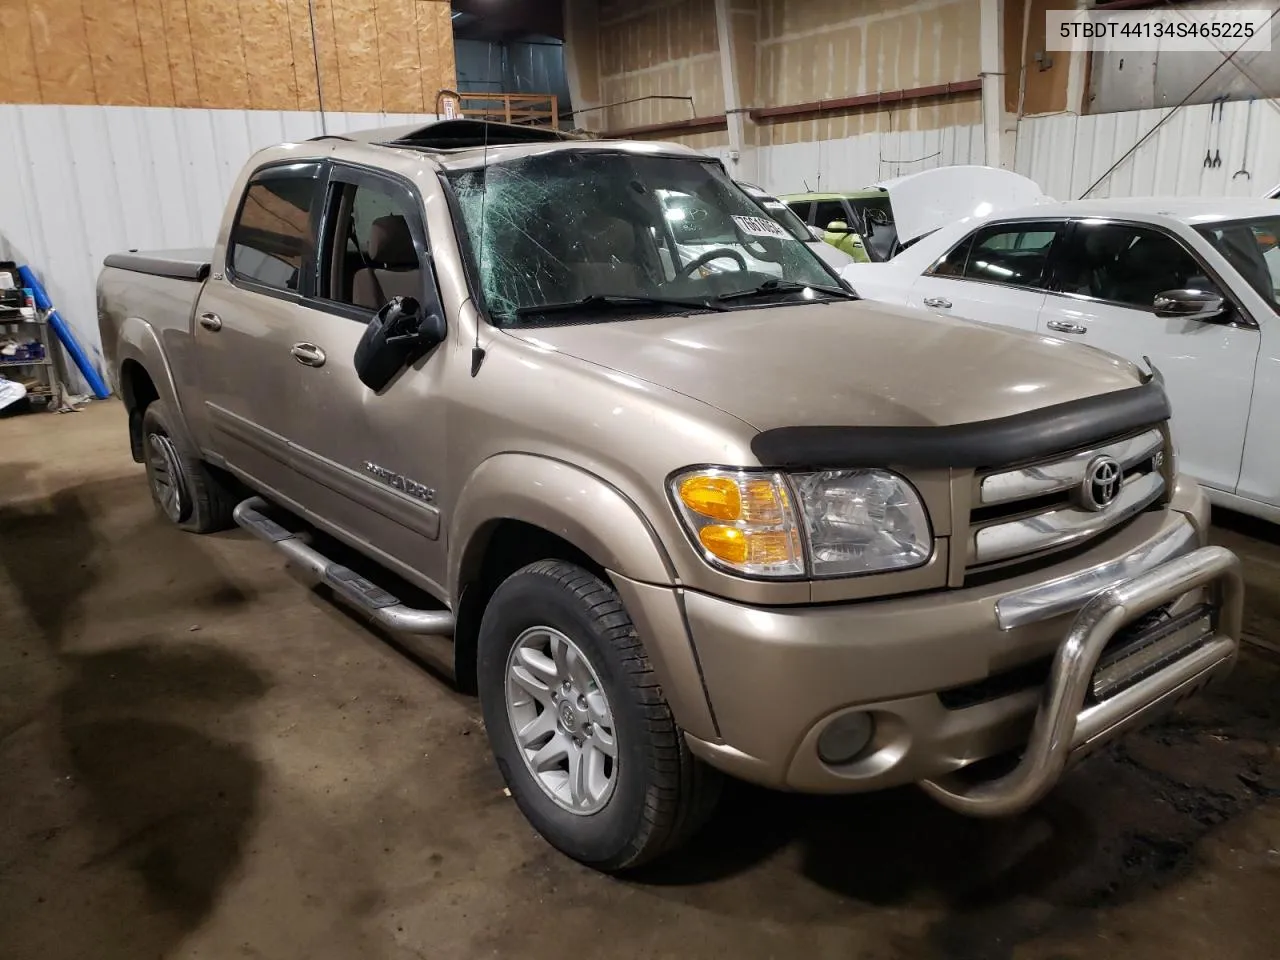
727 543
715 497
756 547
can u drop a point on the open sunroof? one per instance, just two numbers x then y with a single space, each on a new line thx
459 134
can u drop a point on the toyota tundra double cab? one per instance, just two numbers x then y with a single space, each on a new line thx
671 514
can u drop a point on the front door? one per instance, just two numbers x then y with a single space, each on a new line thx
997 274
248 319
372 461
1110 274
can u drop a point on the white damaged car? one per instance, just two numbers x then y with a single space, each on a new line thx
1191 284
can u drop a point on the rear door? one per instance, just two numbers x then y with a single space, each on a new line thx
1110 274
248 318
371 461
997 274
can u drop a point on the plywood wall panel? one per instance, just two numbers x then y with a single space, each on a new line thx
428 50
217 44
446 59
326 51
268 54
358 55
18 79
115 52
181 55
154 46
61 51
401 68
373 55
435 48
304 57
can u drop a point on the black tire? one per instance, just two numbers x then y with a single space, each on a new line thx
204 501
662 793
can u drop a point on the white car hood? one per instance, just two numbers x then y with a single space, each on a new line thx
922 202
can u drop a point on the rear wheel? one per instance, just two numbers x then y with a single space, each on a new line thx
183 487
578 724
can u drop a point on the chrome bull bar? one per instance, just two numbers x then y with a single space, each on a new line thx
1064 728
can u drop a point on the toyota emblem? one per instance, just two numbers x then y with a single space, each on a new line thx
1101 483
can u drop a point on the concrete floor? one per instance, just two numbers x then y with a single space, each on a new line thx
200 758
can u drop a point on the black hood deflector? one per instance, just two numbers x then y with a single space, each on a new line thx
1008 440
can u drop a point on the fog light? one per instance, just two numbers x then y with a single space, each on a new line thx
845 738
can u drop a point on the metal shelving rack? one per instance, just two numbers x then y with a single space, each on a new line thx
15 322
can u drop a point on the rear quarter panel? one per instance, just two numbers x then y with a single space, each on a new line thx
147 320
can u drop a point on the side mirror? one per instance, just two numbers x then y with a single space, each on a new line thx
1189 304
838 226
397 335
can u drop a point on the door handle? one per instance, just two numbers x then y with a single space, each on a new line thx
308 354
938 303
1066 326
211 321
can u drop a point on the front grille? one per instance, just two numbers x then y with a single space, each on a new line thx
1038 509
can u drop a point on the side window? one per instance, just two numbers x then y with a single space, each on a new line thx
829 211
802 209
370 253
272 241
952 264
1126 264
1013 254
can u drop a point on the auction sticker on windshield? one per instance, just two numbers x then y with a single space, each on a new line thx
761 227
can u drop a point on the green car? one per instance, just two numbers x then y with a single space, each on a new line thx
859 222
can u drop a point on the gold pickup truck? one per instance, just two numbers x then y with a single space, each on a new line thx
670 520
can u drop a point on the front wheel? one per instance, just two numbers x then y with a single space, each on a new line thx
578 724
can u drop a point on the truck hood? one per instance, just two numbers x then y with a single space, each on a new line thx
854 363
924 201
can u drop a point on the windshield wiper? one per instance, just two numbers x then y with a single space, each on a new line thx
787 286
615 300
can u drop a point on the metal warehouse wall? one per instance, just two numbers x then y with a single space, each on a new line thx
1066 154
82 182
1136 80
665 47
851 163
828 49
786 53
371 55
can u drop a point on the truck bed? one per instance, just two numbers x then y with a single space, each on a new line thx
192 264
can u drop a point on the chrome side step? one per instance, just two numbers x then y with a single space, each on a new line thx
381 606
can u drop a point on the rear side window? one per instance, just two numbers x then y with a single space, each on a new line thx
1012 254
829 212
802 209
273 237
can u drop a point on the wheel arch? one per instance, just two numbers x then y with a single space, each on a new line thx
143 376
518 508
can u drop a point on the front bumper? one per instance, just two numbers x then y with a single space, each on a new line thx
776 678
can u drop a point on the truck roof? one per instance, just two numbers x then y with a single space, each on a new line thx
465 144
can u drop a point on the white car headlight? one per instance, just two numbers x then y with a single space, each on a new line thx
854 521
862 521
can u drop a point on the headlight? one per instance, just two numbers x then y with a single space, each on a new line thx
856 521
860 521
741 520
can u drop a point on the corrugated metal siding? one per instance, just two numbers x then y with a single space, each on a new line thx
1066 153
1133 80
78 183
855 162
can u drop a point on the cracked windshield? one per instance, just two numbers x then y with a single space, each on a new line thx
651 233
